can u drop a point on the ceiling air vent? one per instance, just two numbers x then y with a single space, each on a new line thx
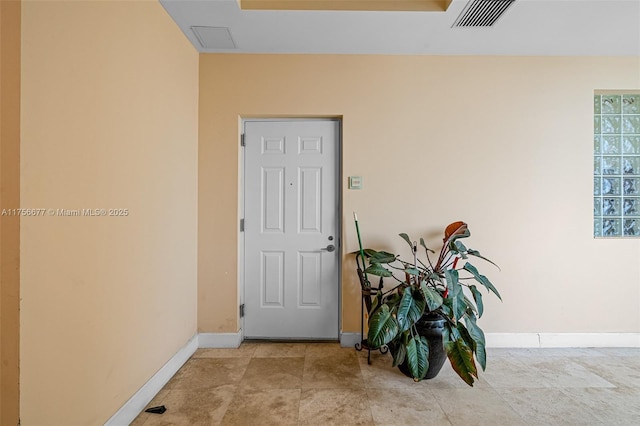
482 13
214 37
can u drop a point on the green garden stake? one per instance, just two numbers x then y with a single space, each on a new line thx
355 219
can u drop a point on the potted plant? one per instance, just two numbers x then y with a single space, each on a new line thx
433 309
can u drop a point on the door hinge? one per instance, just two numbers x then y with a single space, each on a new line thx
242 310
241 225
242 142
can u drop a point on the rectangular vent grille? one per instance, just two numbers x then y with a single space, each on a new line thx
482 13
216 38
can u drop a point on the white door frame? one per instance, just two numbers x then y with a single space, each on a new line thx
241 213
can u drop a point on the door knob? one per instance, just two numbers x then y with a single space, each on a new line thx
329 248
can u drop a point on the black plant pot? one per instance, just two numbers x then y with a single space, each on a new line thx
430 326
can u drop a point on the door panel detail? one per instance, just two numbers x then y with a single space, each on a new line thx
271 146
309 264
310 145
273 200
310 199
272 279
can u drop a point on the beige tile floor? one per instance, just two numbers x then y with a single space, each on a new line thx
324 384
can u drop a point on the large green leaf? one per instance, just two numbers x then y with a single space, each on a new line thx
452 279
410 309
471 307
392 299
458 305
459 248
368 252
418 357
383 327
446 333
379 256
379 270
452 333
376 302
446 307
481 279
432 297
477 254
407 239
399 354
427 249
481 355
461 359
477 297
477 335
462 332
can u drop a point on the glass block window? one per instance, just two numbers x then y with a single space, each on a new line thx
616 165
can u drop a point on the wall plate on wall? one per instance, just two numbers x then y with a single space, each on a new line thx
355 182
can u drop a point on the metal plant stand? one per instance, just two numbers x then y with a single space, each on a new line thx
367 293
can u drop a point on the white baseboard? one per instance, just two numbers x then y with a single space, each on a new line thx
349 340
134 406
220 340
563 340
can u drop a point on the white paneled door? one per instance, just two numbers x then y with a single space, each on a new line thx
291 288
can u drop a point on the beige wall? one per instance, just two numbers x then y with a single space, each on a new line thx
9 199
504 143
109 120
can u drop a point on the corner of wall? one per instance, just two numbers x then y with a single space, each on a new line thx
10 39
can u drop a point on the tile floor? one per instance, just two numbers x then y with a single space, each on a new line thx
324 384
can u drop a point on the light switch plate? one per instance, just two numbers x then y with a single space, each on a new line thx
355 182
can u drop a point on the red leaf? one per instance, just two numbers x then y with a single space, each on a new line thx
454 229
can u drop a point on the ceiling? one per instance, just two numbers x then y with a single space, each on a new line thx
528 27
